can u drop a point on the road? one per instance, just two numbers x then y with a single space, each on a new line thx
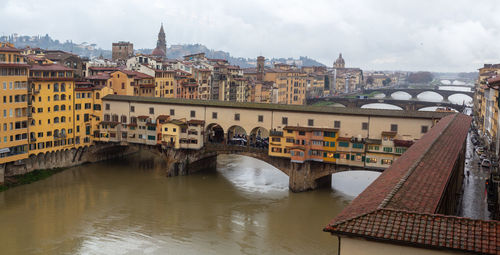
474 203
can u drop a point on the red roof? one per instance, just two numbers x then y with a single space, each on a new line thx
404 200
425 230
494 80
50 67
138 75
9 49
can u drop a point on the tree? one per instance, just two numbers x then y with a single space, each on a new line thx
387 81
420 77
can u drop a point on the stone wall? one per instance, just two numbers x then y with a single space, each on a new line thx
65 158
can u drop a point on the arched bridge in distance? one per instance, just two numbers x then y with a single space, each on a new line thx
408 105
415 92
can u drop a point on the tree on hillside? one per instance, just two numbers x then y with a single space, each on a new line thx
420 77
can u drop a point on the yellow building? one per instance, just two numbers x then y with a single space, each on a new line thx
14 104
164 83
329 145
122 83
52 94
182 134
279 142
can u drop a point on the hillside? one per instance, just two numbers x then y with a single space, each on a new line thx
174 51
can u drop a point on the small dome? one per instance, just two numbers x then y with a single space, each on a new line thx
158 52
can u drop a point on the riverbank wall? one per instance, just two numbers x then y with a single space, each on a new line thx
64 158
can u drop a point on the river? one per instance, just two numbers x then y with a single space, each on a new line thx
128 206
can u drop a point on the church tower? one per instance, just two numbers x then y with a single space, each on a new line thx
161 45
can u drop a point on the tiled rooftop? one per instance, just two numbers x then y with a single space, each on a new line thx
401 205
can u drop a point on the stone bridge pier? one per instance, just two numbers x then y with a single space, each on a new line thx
302 176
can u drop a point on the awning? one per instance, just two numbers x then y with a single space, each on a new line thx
4 150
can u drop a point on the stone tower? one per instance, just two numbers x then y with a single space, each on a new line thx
161 45
260 67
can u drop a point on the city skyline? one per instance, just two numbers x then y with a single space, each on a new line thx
372 35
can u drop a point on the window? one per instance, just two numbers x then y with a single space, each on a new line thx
276 139
310 122
373 147
424 129
124 119
260 118
88 105
236 116
317 142
107 107
336 124
371 160
214 115
357 145
364 125
132 108
400 150
78 106
193 114
386 162
344 144
394 128
284 120
172 112
151 110
387 149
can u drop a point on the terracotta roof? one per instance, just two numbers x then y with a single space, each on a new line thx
344 139
196 122
425 230
137 74
494 80
9 49
49 67
403 143
142 117
401 205
100 76
373 141
162 117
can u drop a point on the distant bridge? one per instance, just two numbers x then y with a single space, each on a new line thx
408 105
415 92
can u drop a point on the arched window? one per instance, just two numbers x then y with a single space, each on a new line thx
56 87
115 118
56 133
106 117
63 107
56 108
133 120
56 120
63 87
63 132
97 95
63 119
63 97
124 119
56 97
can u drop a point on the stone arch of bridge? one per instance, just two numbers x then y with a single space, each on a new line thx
258 135
214 133
399 91
469 98
382 102
443 97
236 133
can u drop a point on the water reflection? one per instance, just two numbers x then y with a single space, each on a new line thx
381 106
343 182
128 206
400 95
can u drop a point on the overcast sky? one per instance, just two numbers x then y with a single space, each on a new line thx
437 35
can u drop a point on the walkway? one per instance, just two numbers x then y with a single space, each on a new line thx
474 203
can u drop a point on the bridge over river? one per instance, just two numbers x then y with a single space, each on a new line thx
414 93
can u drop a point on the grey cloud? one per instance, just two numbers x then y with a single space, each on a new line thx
372 34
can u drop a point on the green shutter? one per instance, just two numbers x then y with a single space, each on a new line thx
363 159
352 157
336 155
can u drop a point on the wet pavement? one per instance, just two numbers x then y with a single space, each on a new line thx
474 204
